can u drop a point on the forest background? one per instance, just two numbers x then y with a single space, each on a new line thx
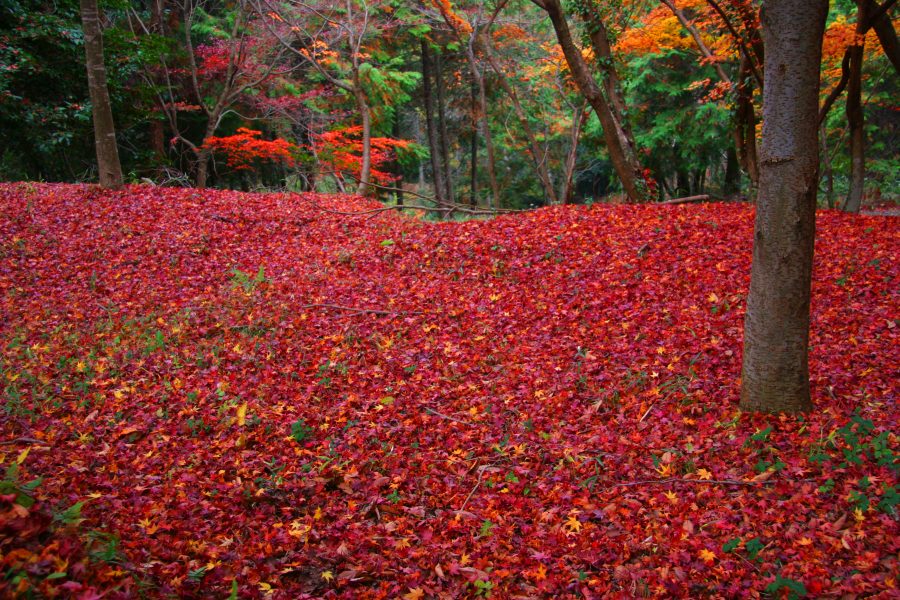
466 102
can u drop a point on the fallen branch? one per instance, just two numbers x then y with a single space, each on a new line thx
22 440
677 480
686 199
448 417
362 311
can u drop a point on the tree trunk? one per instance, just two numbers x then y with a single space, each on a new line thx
365 173
884 29
442 128
732 184
108 165
828 172
775 373
579 117
621 153
433 145
538 158
855 116
473 199
478 78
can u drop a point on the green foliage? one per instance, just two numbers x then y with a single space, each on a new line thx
300 431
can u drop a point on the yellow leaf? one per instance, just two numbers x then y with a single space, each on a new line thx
22 456
265 587
713 298
401 543
242 414
672 496
704 474
572 524
318 514
858 515
327 575
707 556
541 573
415 593
464 559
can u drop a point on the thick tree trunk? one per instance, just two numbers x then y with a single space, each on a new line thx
855 116
442 128
108 165
775 374
621 153
433 145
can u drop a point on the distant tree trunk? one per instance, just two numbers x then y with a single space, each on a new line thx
621 153
442 128
473 199
732 184
775 373
855 116
828 172
365 173
478 78
433 144
537 156
579 116
745 125
398 170
108 165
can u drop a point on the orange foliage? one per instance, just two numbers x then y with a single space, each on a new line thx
244 149
341 151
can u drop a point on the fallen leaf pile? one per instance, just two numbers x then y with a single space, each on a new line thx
209 393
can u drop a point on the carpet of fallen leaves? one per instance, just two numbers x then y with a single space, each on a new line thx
209 393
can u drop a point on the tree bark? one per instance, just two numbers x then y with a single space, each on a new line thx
621 153
884 29
775 374
442 128
431 130
365 173
473 199
110 170
855 116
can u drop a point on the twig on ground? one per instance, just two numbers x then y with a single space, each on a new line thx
448 417
22 440
363 311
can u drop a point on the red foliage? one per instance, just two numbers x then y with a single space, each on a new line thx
245 150
541 405
341 151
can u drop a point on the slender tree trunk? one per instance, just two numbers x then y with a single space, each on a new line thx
478 78
433 145
579 116
108 165
442 128
855 116
473 199
537 157
745 125
732 184
828 172
775 374
398 170
365 173
621 153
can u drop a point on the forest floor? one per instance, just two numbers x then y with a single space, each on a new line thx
209 393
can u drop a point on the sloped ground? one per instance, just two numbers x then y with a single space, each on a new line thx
541 404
